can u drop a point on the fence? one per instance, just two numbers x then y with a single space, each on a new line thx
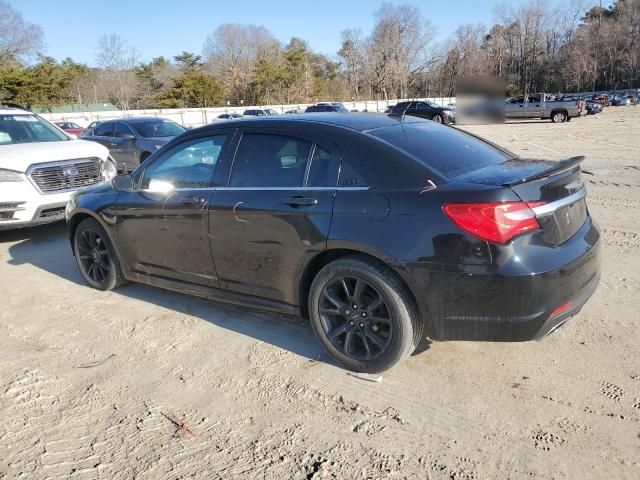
195 117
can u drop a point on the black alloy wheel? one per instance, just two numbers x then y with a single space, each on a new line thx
355 318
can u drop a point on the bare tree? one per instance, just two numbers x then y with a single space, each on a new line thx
233 50
353 56
19 40
118 60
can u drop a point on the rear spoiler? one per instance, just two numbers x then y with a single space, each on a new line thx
558 167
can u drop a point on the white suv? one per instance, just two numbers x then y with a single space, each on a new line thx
40 166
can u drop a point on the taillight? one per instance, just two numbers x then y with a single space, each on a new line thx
495 222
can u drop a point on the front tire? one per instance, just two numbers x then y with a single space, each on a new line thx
363 315
96 257
437 118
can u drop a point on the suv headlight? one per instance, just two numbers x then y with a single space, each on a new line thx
109 170
10 176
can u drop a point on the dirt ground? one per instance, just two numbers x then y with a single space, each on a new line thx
143 383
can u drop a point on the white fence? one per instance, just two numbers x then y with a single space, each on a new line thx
195 117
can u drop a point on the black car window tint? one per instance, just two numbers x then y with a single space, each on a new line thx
104 130
270 161
188 165
323 171
122 130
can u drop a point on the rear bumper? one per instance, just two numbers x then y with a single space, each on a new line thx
510 300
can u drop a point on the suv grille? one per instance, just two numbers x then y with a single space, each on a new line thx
62 176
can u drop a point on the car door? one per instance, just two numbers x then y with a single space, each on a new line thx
514 108
162 225
123 147
102 134
533 107
423 110
274 214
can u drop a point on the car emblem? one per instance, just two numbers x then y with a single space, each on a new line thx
70 172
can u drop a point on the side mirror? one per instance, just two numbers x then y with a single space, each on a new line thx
122 183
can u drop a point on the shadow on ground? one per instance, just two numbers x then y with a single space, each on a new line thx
47 247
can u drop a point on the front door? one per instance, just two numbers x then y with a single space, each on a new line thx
274 214
162 225
533 108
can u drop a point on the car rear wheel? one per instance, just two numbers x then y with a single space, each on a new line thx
363 315
96 256
437 118
559 117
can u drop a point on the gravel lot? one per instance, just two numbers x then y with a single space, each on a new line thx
143 383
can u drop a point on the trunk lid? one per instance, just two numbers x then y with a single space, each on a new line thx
558 184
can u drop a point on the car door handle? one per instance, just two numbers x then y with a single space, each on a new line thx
113 144
300 201
192 201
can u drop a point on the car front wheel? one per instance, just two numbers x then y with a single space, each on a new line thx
363 315
437 118
96 256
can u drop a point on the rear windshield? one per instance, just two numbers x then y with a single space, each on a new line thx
22 128
446 150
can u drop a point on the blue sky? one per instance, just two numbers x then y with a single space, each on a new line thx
161 27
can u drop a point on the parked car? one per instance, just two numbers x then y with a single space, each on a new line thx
425 109
381 229
92 125
592 107
295 110
260 112
601 98
620 100
132 140
389 109
326 107
541 105
70 127
230 116
40 166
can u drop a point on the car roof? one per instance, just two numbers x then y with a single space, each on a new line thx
361 122
15 111
135 119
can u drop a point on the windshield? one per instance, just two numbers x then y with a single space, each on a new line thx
271 111
158 128
27 129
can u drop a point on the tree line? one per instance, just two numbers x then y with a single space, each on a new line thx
576 46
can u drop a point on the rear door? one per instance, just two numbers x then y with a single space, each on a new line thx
103 134
274 214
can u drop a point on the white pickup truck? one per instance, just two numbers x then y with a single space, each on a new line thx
542 105
41 166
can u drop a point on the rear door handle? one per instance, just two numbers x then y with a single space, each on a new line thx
192 201
301 201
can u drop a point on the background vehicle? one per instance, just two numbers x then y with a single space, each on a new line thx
426 109
260 112
70 127
601 98
40 167
592 107
620 100
379 228
131 140
230 116
326 107
541 105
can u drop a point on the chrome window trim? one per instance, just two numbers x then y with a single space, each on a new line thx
288 189
550 208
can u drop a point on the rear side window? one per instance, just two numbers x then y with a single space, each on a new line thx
264 160
122 130
446 150
323 171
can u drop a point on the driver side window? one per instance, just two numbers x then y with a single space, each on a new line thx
188 165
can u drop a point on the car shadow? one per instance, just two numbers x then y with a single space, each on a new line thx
48 248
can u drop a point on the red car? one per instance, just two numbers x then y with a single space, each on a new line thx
70 127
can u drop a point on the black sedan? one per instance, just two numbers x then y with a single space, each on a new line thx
425 109
381 230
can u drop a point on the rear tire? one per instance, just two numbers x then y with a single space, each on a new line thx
96 257
559 117
363 315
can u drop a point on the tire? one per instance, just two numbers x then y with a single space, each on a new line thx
559 117
96 257
380 332
437 118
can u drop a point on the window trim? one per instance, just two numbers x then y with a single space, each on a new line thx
126 126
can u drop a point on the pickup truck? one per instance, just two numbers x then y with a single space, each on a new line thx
542 105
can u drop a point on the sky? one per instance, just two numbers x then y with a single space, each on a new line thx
161 27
